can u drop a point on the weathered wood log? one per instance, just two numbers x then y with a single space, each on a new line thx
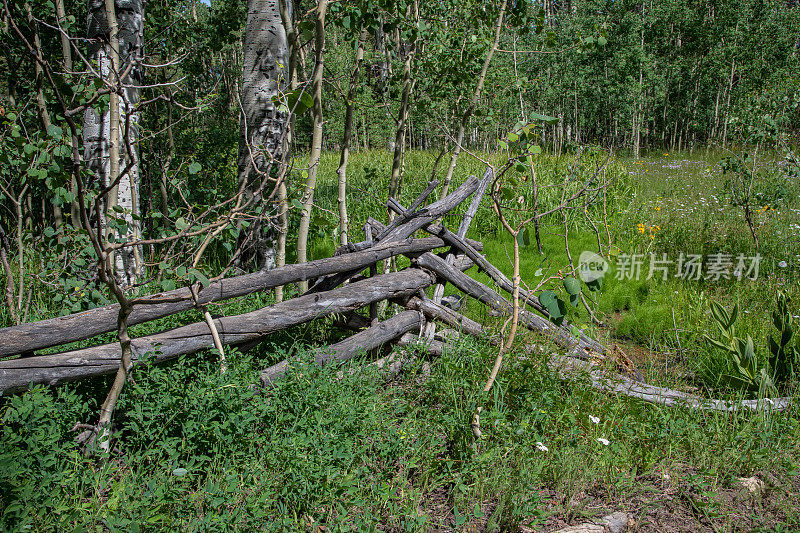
363 342
403 231
613 523
411 211
570 368
482 293
458 241
437 311
17 374
424 217
70 328
432 346
463 227
378 226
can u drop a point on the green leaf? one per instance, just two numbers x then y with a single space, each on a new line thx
54 131
717 343
299 100
199 276
536 117
574 300
180 472
297 204
595 285
554 306
602 41
572 286
524 237
195 167
734 314
720 315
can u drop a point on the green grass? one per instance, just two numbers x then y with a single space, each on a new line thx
363 454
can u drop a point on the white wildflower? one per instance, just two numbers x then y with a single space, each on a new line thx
594 419
541 447
603 441
783 264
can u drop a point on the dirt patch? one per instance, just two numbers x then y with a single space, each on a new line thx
677 499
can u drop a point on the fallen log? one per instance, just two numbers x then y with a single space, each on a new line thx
433 310
479 291
422 217
571 368
464 245
18 374
365 341
411 212
377 226
463 227
613 523
80 326
404 231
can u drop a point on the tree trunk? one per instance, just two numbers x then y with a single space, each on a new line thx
395 180
262 122
61 330
18 374
110 137
316 140
283 175
348 131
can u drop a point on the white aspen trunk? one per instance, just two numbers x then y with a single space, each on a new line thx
262 121
124 50
348 131
316 141
475 97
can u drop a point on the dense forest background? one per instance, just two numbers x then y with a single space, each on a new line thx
628 76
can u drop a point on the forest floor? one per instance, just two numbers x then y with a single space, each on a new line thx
200 450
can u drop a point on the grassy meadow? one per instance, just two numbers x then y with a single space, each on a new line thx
200 450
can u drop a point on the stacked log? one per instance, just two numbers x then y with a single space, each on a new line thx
329 295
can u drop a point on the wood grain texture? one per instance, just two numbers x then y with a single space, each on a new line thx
363 342
570 368
17 374
80 326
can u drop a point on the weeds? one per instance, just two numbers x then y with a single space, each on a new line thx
200 450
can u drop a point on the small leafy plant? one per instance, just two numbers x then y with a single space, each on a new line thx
745 370
784 359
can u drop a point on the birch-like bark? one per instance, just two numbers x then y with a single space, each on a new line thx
262 122
119 193
283 193
316 139
348 132
395 181
110 136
